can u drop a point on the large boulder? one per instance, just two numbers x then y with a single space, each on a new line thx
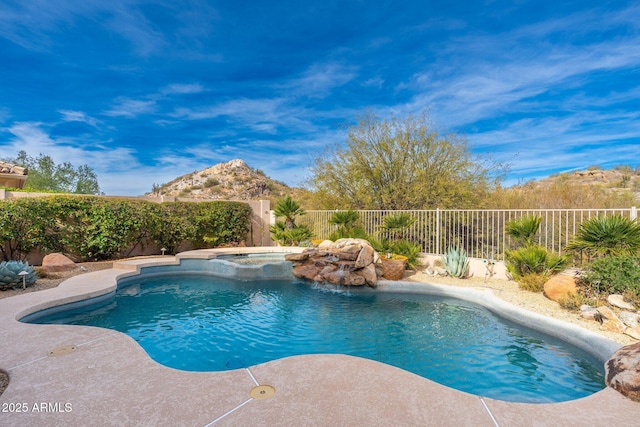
56 262
306 271
622 371
365 257
560 287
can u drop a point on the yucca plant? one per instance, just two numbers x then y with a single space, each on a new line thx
290 237
534 259
10 274
409 250
348 225
396 224
288 209
607 236
456 262
524 229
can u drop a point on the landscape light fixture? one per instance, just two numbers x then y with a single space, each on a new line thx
24 275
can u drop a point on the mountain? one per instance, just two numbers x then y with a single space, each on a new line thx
619 179
233 180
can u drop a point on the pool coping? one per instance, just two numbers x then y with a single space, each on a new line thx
108 379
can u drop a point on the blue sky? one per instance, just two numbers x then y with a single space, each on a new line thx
145 91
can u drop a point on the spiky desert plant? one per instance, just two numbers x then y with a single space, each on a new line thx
534 259
409 250
456 262
396 224
10 274
524 229
607 236
288 209
348 225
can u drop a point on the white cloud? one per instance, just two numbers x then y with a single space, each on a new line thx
181 88
320 79
125 107
78 116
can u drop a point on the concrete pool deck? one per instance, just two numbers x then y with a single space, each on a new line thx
104 377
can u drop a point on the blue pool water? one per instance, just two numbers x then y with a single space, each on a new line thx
204 323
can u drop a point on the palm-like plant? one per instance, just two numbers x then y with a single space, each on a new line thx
396 224
607 236
534 259
345 220
288 209
524 229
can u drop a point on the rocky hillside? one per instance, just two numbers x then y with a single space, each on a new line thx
233 180
618 179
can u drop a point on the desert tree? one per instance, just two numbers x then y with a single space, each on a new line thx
400 163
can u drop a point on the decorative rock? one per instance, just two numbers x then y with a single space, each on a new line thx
297 257
622 371
369 274
346 262
325 244
352 249
306 271
633 332
365 257
629 319
610 320
588 312
560 287
57 262
617 300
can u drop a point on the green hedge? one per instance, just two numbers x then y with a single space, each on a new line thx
94 228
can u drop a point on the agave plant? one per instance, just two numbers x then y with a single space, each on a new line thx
10 274
456 262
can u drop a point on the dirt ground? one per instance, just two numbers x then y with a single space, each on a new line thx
506 290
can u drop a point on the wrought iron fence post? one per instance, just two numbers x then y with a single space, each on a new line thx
438 232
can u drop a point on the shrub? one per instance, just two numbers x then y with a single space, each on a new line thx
524 229
218 223
533 282
409 250
394 225
90 228
290 236
347 222
24 227
572 302
607 236
534 259
614 274
211 182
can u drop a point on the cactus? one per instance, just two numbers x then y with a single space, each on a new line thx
10 274
456 263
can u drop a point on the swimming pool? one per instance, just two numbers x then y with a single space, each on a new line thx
204 323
